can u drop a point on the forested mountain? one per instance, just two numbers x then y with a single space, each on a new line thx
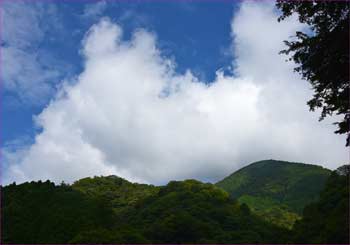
193 212
120 193
41 212
113 210
276 190
327 220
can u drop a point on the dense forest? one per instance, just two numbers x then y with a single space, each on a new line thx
113 210
276 190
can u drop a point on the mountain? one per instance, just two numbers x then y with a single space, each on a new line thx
42 212
113 210
194 212
276 190
327 220
118 192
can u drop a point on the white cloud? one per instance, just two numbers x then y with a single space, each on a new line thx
18 19
94 10
23 74
24 71
131 115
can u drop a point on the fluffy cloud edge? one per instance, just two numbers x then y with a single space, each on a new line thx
131 115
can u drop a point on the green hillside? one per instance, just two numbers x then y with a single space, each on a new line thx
327 220
42 212
120 193
92 211
112 210
193 212
276 190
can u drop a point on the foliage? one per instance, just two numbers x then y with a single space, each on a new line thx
40 212
327 221
119 235
271 211
276 190
322 54
112 210
120 193
193 212
180 212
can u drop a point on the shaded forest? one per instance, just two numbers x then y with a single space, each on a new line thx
113 210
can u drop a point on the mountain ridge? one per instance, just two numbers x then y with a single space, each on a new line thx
113 210
276 189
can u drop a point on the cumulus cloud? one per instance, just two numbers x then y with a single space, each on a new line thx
130 114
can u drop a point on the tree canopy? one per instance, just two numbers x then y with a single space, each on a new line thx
110 210
322 54
327 220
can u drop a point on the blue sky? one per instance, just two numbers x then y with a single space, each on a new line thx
196 34
82 84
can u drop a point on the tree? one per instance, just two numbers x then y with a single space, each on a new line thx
343 170
322 55
326 220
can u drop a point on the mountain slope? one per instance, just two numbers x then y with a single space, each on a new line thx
276 190
118 192
193 212
180 212
327 220
112 210
42 212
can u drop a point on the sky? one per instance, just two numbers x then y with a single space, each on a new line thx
152 91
